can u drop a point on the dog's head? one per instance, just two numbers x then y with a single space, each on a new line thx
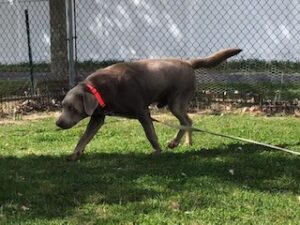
78 104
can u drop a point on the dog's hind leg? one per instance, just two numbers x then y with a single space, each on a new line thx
188 139
94 125
146 121
179 110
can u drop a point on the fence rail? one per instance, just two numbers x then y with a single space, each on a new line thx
100 33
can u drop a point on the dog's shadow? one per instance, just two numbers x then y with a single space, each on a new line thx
52 187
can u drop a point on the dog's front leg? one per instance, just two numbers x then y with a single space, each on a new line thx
94 125
147 124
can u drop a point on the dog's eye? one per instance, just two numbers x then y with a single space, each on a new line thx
71 108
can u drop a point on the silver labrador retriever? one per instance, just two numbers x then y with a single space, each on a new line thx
127 89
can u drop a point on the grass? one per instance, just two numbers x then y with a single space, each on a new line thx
254 65
17 88
45 66
217 181
13 87
267 91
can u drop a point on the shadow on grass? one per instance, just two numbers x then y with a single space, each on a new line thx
52 188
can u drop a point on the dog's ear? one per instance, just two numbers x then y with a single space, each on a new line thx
89 103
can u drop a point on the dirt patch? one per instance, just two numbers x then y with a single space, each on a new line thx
18 108
24 118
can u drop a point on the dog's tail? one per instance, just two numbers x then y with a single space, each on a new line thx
214 59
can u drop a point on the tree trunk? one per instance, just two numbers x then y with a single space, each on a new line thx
58 33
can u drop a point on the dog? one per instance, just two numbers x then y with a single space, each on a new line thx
127 89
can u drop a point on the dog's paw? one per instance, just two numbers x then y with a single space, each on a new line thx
173 144
72 158
188 143
156 152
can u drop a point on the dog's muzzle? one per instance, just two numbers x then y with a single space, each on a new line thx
62 124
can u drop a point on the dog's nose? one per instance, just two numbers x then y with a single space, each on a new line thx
60 123
63 124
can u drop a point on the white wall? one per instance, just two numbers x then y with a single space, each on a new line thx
129 29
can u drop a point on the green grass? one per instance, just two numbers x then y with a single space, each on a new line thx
25 67
13 87
217 181
17 88
249 66
45 67
267 91
254 65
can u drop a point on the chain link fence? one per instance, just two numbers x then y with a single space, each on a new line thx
34 51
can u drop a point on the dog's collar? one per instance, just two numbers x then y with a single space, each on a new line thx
97 94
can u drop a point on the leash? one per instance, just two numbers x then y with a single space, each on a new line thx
225 136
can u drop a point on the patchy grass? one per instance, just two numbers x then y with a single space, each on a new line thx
217 181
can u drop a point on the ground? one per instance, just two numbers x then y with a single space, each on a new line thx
216 181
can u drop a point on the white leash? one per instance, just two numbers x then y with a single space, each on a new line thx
227 136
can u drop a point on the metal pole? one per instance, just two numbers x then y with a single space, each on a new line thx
29 50
70 44
75 38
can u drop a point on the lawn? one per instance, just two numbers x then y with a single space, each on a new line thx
217 181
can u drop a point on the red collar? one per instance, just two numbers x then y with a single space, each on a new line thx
97 94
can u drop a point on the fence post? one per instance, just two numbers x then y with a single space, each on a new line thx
70 43
29 51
